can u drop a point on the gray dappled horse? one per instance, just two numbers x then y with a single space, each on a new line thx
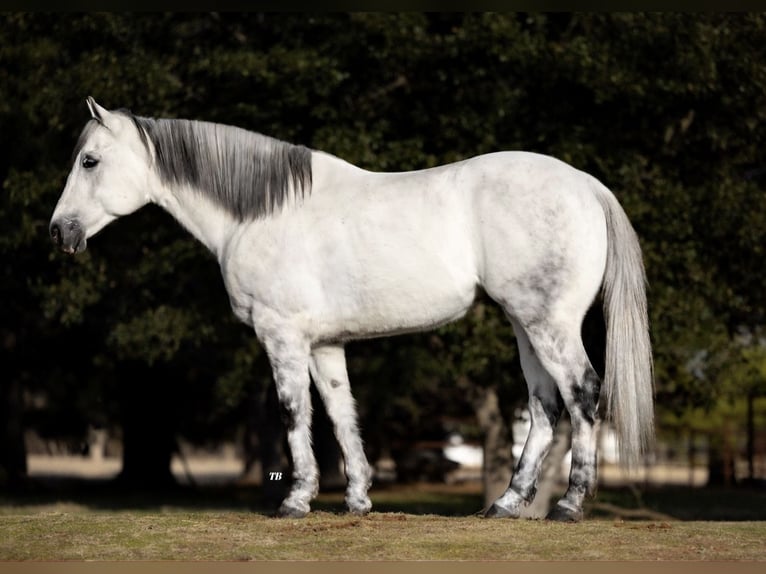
316 252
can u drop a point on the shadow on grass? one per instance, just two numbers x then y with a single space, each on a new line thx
680 503
110 495
667 503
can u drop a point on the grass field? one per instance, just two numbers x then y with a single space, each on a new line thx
413 523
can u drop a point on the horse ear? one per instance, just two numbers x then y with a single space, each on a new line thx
94 108
97 112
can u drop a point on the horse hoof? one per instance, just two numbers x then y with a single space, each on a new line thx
561 514
496 511
359 509
290 512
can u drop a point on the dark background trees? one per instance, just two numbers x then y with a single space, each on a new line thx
667 109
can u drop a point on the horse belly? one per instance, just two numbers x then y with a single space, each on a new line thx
396 300
398 279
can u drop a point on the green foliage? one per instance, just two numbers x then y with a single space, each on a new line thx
156 334
667 109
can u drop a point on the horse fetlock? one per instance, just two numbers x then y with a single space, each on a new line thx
366 474
305 489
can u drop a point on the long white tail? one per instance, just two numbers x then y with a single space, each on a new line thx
629 373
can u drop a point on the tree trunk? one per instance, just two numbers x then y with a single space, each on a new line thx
721 459
13 454
148 426
498 457
275 466
751 437
251 441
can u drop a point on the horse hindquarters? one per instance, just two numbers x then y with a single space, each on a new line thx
545 255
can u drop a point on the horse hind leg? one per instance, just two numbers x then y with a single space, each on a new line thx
328 369
561 352
545 407
582 404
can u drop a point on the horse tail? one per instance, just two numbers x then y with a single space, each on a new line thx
629 377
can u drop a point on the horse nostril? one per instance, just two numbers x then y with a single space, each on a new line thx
56 234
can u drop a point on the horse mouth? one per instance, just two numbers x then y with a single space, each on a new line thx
73 249
68 236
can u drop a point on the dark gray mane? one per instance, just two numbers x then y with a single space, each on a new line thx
248 174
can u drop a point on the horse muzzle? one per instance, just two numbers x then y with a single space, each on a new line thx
68 236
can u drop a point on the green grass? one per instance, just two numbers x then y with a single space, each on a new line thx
410 523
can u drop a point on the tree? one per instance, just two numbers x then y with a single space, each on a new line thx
666 109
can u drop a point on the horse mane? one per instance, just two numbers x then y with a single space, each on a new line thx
248 174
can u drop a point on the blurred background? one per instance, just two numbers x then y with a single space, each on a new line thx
126 365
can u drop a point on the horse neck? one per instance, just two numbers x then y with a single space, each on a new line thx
207 222
214 226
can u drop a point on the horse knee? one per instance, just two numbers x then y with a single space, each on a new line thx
290 414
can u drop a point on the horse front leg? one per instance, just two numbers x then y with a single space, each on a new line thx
328 369
290 365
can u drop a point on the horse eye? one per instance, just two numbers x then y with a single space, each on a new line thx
89 162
